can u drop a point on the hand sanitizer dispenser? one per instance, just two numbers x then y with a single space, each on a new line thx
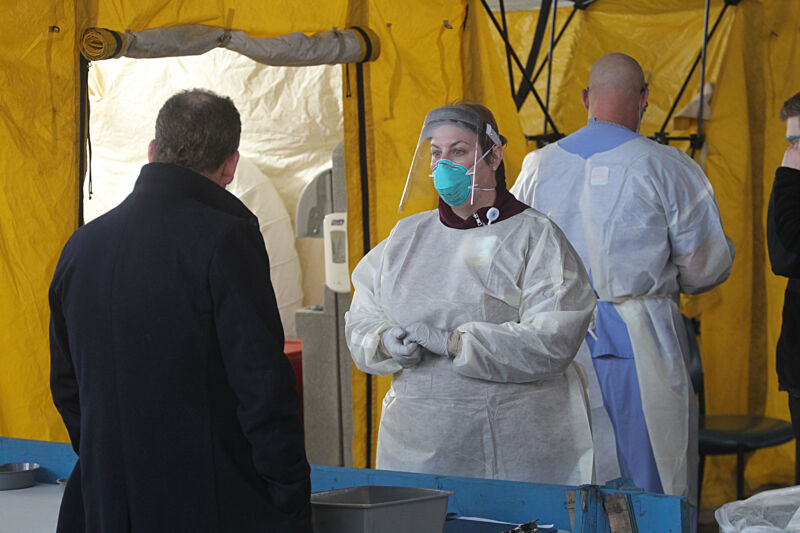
337 275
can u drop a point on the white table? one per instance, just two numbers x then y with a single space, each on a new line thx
31 510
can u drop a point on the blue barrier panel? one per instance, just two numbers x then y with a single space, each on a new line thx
56 458
517 502
507 501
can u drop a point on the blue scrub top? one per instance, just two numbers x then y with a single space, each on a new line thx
596 137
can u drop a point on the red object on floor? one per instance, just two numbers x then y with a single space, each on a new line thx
294 351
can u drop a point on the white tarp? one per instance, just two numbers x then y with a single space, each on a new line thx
291 122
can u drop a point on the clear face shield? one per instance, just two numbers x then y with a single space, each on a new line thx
446 159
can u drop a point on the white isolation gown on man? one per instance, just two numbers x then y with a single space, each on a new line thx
644 219
511 404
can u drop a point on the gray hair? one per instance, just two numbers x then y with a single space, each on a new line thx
197 129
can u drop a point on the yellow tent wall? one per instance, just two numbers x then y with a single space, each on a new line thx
38 201
432 53
40 132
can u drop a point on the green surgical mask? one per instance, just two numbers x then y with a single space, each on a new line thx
452 181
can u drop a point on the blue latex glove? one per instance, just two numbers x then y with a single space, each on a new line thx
396 343
432 339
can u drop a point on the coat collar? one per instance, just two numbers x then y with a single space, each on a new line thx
166 179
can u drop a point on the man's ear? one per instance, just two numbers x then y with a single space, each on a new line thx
228 169
585 98
151 148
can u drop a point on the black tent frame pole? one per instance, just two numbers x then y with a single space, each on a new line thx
83 131
508 46
533 53
701 107
700 56
553 11
558 38
363 173
519 64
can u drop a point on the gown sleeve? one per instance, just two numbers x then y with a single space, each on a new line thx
556 307
700 249
365 321
526 181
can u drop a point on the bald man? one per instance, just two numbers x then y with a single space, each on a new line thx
645 222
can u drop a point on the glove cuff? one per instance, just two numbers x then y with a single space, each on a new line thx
381 346
454 344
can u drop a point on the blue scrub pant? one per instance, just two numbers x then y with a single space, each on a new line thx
620 388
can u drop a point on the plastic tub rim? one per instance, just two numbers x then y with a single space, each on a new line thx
439 493
18 475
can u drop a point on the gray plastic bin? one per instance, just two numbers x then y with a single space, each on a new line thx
378 509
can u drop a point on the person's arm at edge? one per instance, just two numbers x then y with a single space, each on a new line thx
63 382
787 199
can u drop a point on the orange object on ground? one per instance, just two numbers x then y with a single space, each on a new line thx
294 351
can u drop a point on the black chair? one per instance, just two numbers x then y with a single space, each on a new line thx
729 434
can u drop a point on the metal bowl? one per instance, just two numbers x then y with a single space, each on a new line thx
17 475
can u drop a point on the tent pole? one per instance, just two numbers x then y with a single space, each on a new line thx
661 132
518 63
550 62
362 163
700 138
83 133
533 53
558 38
508 46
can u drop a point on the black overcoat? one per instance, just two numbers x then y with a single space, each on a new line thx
783 240
167 367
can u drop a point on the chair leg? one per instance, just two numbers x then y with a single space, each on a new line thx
797 461
739 473
700 471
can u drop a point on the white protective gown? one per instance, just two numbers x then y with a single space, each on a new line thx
644 219
511 405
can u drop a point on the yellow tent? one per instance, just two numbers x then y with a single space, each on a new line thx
432 53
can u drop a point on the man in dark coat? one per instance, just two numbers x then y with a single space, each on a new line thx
167 361
783 240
